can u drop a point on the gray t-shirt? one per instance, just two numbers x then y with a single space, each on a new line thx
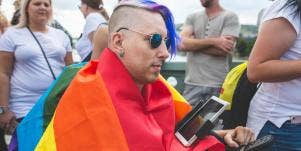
203 69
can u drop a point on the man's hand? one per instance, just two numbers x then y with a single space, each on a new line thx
239 136
8 122
225 43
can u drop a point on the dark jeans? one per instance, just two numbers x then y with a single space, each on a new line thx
13 145
194 94
286 138
3 146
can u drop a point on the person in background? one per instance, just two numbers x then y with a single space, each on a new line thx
3 23
16 16
25 73
208 37
3 26
53 23
275 61
121 96
100 41
92 11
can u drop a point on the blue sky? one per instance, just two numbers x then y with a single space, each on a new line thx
67 13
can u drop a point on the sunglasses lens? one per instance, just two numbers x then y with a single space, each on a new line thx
167 43
155 40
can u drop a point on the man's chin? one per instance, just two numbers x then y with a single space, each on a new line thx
154 77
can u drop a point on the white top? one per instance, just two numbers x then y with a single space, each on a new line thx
278 101
84 45
31 75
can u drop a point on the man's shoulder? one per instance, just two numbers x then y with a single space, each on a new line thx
197 14
230 14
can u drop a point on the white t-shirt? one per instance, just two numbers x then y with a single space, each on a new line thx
31 75
84 46
278 101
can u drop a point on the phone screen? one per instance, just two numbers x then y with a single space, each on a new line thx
206 112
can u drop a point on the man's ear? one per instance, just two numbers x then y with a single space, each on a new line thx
116 42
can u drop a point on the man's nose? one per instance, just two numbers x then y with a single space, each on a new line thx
163 51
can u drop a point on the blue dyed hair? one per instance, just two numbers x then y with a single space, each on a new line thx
167 16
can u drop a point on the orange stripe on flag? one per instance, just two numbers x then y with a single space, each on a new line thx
85 118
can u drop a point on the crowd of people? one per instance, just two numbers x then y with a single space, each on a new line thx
125 57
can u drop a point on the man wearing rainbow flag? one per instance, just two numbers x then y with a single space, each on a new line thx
119 102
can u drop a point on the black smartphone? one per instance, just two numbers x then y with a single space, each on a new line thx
188 129
262 144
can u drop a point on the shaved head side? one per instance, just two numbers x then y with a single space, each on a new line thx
129 17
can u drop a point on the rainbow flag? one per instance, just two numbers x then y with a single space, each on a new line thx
86 119
30 130
32 127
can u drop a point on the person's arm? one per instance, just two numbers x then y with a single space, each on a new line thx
216 51
274 39
238 136
230 32
91 35
68 58
100 41
218 46
7 119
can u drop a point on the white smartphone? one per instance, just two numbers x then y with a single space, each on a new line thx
211 110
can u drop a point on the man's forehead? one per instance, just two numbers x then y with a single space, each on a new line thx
149 22
154 25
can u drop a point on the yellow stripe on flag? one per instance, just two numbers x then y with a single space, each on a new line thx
182 107
47 142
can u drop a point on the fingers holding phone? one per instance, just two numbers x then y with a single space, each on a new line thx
198 122
239 136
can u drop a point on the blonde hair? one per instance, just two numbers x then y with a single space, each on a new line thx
24 18
3 22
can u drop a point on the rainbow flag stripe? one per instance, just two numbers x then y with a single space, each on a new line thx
30 130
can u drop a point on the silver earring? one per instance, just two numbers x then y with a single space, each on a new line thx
121 53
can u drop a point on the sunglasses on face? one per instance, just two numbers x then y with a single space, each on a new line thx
155 39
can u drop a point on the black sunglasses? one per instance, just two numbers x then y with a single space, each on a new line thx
155 39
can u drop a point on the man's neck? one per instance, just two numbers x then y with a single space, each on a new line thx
140 86
214 10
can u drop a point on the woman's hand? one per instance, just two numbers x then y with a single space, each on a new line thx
8 122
